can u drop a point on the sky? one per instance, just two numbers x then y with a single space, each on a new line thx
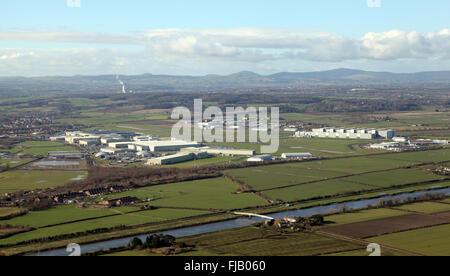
198 37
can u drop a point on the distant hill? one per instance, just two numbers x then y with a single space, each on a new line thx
241 80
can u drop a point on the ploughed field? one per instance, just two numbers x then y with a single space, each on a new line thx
379 227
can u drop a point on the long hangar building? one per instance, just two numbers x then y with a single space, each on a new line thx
154 146
348 133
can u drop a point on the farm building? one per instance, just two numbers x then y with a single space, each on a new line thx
119 202
260 158
296 156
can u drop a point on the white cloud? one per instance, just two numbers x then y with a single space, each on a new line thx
251 47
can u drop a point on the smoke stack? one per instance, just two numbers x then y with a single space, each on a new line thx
124 91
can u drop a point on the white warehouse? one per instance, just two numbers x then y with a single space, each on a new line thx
348 133
260 158
296 156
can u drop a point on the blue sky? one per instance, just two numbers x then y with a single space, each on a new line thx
33 29
349 17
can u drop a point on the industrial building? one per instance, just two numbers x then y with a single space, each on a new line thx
394 146
171 159
107 140
178 158
89 142
164 146
260 158
348 133
119 145
296 156
60 139
221 151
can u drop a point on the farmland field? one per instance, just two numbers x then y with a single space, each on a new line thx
314 190
267 177
14 162
213 193
7 211
426 207
296 244
251 241
422 156
432 241
364 253
364 215
126 219
17 180
394 178
373 228
355 165
58 215
43 151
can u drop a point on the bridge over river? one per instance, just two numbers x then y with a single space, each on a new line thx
253 215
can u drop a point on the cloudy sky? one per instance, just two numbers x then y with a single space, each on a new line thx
196 37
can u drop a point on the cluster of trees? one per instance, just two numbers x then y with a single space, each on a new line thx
154 242
397 201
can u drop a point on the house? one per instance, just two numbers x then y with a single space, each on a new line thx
119 201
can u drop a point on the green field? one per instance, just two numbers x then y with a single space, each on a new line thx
363 253
213 193
314 190
252 241
355 165
24 180
127 219
6 211
14 162
426 207
363 215
39 148
394 178
421 156
317 147
295 244
43 151
279 175
58 215
432 241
